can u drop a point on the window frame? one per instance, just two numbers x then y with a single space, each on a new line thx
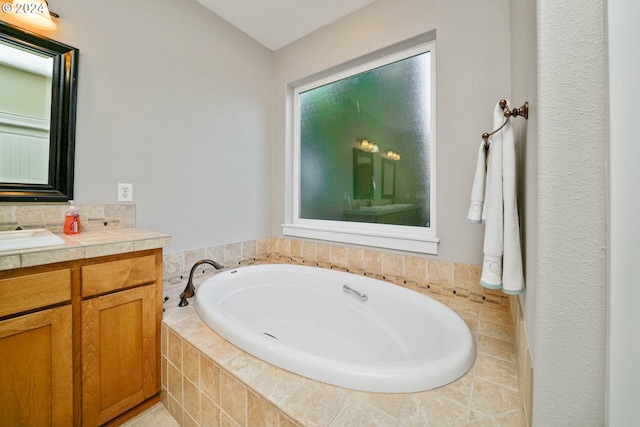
389 236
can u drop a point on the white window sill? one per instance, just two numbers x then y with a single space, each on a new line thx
401 238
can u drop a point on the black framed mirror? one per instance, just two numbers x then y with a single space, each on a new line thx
388 190
362 174
54 155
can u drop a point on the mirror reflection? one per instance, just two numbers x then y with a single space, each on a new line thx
363 179
389 104
388 190
37 116
25 109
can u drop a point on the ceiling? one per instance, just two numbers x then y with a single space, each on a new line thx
276 23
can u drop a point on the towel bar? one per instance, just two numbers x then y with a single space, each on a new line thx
522 111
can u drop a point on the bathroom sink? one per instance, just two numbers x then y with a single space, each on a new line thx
27 239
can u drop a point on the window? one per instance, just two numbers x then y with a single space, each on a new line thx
364 153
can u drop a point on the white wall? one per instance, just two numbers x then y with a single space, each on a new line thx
524 80
624 205
176 101
567 319
473 73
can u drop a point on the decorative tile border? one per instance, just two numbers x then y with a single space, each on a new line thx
177 265
433 276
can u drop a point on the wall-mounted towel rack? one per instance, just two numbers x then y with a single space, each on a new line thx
522 111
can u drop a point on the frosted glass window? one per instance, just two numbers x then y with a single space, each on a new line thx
388 108
364 149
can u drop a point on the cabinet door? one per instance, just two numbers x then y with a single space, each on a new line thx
36 369
118 353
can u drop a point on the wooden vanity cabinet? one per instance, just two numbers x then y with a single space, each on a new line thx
81 345
120 334
36 353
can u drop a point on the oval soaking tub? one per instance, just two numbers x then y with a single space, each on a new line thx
371 335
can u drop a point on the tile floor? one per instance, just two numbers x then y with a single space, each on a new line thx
156 416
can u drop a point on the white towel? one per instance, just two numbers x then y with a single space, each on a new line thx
502 263
494 229
512 275
477 192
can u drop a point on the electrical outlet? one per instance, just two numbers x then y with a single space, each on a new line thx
125 192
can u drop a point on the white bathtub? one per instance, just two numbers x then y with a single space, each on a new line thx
302 320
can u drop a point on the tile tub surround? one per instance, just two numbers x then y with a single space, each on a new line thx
525 363
436 277
443 280
208 381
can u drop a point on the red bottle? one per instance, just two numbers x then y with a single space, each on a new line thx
72 220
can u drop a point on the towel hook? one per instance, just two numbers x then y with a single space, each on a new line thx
522 111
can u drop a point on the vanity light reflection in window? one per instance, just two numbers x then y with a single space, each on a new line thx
367 145
392 155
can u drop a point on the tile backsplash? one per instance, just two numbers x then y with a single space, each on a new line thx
51 216
427 275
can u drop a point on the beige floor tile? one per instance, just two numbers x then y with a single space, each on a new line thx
503 331
459 390
514 419
484 422
496 370
157 416
496 315
490 398
495 347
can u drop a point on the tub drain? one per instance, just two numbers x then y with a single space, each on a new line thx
268 334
